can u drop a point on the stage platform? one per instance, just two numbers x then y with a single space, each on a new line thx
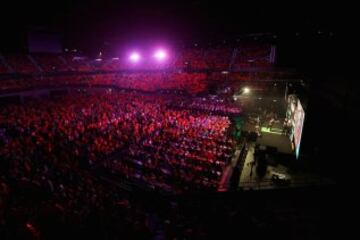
249 179
275 139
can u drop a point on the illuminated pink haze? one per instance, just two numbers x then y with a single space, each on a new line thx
135 57
160 55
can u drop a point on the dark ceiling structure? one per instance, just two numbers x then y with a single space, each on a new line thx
299 30
110 20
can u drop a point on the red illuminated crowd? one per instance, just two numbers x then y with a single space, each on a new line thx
52 153
55 147
52 62
58 148
150 81
252 55
209 104
169 149
21 63
188 82
72 166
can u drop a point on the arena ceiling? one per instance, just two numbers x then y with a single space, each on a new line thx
115 20
95 25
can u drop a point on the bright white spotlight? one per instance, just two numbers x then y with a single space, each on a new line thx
134 57
246 90
160 55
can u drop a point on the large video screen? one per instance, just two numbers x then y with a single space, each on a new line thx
295 115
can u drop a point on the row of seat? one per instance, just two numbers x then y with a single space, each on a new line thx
198 59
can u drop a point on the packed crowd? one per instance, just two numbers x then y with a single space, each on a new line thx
168 149
251 55
51 62
98 210
38 82
108 65
219 58
209 104
53 152
195 59
150 81
21 63
188 82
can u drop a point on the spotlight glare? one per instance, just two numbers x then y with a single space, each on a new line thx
160 55
246 90
134 57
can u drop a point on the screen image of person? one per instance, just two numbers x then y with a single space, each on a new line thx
299 122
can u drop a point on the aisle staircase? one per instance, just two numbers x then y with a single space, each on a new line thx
4 62
233 58
35 63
